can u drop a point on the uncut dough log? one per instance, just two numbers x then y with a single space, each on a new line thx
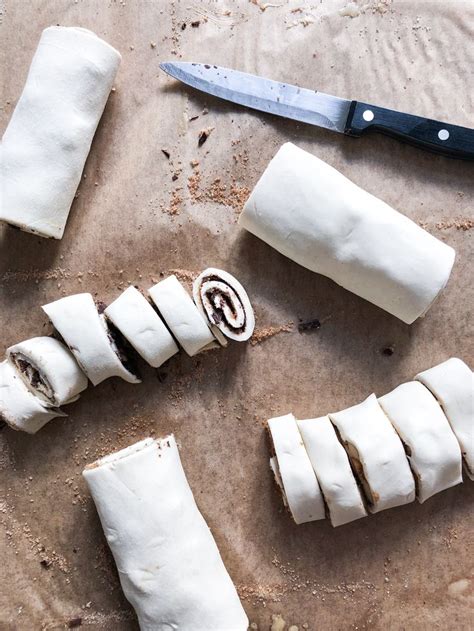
139 323
86 333
19 407
182 316
432 448
46 143
377 454
311 213
295 474
223 302
48 369
169 565
452 383
333 470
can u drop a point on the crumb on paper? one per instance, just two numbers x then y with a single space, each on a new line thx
309 325
184 274
204 135
232 195
261 335
166 153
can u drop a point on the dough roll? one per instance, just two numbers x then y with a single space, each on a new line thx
452 383
46 143
377 455
182 316
223 301
169 566
48 369
139 323
293 471
19 407
91 341
311 213
333 470
431 446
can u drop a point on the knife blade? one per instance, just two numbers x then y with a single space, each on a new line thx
353 118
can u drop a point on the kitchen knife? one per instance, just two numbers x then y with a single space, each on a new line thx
353 118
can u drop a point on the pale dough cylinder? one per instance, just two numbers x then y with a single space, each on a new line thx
224 303
301 488
333 470
377 454
139 323
432 448
182 316
311 213
19 407
86 333
45 145
452 383
168 563
48 369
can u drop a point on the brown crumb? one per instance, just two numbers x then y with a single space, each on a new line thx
74 622
153 44
232 195
267 332
204 135
196 23
309 325
166 153
184 274
462 223
176 202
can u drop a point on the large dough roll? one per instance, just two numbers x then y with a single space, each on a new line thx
169 565
48 369
311 213
19 407
46 143
223 301
91 341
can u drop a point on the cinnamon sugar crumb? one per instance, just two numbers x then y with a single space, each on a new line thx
184 274
267 332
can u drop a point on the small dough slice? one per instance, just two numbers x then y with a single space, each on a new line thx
452 383
91 341
223 301
333 470
139 323
182 316
432 448
298 479
377 455
48 369
19 407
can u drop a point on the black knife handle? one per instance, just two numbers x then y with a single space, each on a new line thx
448 140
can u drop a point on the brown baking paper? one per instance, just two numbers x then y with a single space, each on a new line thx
153 201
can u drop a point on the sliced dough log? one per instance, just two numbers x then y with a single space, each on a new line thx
333 470
295 473
19 407
432 448
46 143
48 369
452 383
182 316
139 323
169 565
377 455
86 333
223 301
311 213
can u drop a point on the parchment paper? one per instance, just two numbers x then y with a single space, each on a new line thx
138 216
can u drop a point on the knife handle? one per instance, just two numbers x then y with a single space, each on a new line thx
442 138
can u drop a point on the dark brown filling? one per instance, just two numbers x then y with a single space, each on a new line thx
26 367
124 351
218 315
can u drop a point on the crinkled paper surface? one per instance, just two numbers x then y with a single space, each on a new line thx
144 210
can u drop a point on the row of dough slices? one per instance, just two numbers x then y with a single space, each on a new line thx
42 373
381 453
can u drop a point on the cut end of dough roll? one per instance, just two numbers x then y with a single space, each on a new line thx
224 303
